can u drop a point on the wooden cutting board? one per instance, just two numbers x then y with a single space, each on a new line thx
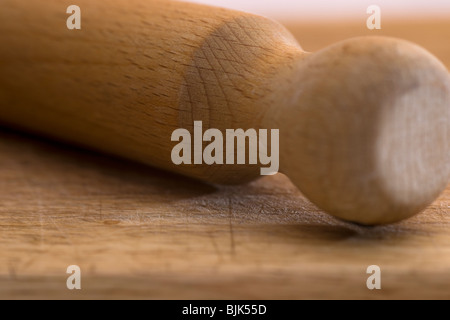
137 232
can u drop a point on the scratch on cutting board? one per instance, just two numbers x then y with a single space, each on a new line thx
216 247
232 241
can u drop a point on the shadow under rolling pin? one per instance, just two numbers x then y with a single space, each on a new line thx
364 124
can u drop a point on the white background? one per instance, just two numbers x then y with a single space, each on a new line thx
338 9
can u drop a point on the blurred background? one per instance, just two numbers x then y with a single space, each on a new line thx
319 23
320 9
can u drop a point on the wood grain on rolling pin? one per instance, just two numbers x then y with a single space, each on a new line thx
141 233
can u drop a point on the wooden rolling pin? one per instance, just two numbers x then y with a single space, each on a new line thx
364 124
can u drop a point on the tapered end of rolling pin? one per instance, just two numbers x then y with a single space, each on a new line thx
366 136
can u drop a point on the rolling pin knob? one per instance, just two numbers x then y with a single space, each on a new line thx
365 130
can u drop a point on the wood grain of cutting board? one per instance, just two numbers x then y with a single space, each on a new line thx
138 232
